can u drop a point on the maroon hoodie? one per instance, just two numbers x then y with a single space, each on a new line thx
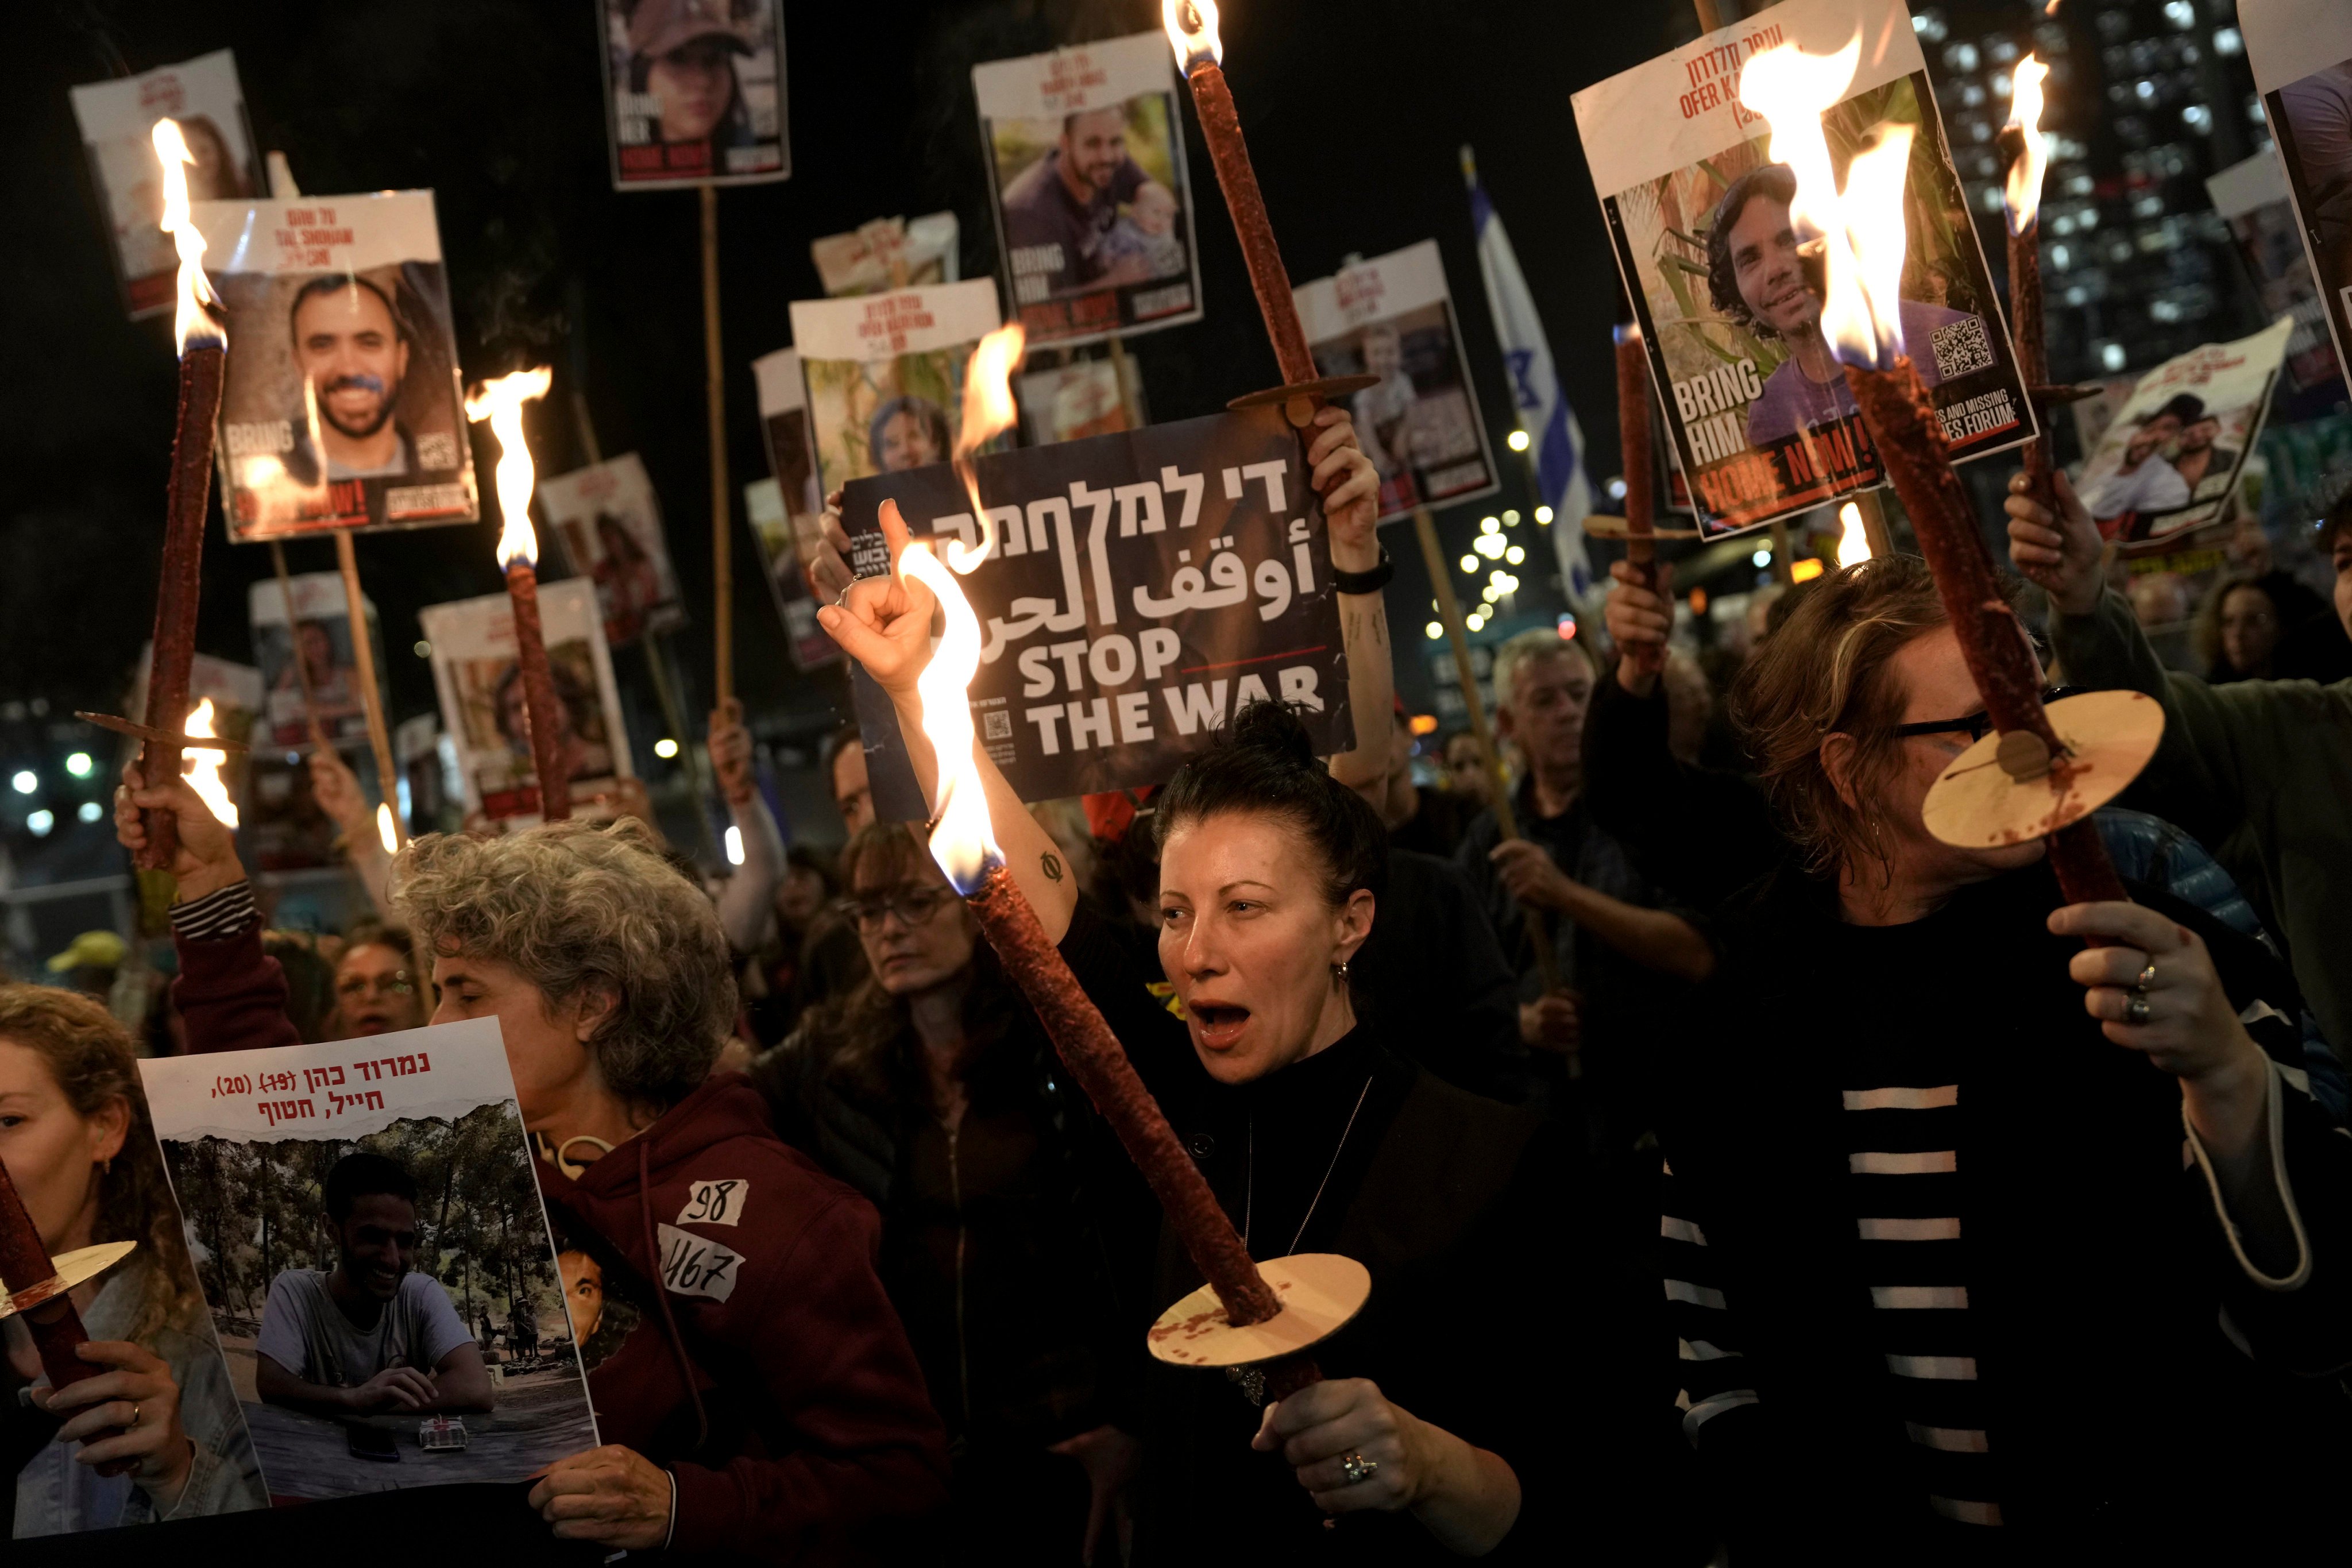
770 1375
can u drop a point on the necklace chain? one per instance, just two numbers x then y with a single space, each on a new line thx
1249 1191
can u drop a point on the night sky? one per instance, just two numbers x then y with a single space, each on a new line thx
1354 110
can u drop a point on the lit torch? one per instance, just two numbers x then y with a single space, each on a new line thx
1853 539
500 402
1864 236
2022 197
203 355
988 412
205 766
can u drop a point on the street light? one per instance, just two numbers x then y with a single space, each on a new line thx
27 781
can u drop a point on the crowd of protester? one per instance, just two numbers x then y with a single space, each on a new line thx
1740 1168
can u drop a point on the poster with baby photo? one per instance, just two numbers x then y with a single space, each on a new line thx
1755 403
611 524
882 375
2168 462
340 407
1391 317
117 119
483 706
379 1267
1085 175
694 93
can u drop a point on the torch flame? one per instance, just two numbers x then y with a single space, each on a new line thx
963 842
193 325
2025 193
1854 543
385 829
988 412
1862 233
1192 33
500 402
204 767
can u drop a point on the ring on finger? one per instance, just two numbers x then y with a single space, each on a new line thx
135 1408
2146 976
2136 1007
1358 1469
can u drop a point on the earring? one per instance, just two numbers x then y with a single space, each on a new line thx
1340 970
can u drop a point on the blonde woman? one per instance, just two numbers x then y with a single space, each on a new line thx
75 1136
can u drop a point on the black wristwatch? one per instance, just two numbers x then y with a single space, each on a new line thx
1370 581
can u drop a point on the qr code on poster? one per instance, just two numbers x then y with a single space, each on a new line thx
1961 347
996 726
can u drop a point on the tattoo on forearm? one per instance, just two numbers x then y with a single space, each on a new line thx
1050 864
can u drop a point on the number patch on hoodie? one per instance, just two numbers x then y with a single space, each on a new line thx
715 1202
696 1265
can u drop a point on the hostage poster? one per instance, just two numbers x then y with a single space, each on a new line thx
784 508
883 375
317 648
392 1167
2311 124
2251 197
694 93
484 707
118 120
1085 148
1754 402
341 406
887 253
610 522
1392 318
1143 587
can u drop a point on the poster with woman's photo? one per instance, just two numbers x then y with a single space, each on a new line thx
82 1154
784 509
117 121
2168 462
694 93
888 253
1754 401
378 1263
2311 124
315 649
1391 317
610 522
883 375
2252 198
1085 174
341 406
483 706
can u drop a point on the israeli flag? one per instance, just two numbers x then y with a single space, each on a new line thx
1544 413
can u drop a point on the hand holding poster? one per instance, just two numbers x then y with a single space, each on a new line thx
694 93
1392 318
883 375
341 407
1755 404
391 1168
2311 122
482 702
1093 209
1143 587
116 119
611 524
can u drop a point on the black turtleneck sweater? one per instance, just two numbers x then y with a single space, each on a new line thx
1495 1313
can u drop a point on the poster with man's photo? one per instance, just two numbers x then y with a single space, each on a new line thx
888 253
1142 587
883 375
785 515
610 522
118 120
694 93
1753 399
2168 462
317 648
2251 197
484 707
1391 317
341 406
1084 397
2311 124
1085 149
371 1241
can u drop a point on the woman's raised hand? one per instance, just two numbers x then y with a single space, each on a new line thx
885 623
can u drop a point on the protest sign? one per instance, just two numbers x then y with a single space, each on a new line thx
2311 124
1085 150
2168 462
694 93
321 638
784 523
773 527
2251 197
292 1165
1392 318
483 706
117 121
1071 401
1754 403
341 406
610 522
887 253
883 375
1142 587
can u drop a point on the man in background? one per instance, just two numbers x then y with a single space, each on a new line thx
1068 201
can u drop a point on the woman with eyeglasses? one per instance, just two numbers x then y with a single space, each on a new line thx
1015 1235
375 992
1981 1241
